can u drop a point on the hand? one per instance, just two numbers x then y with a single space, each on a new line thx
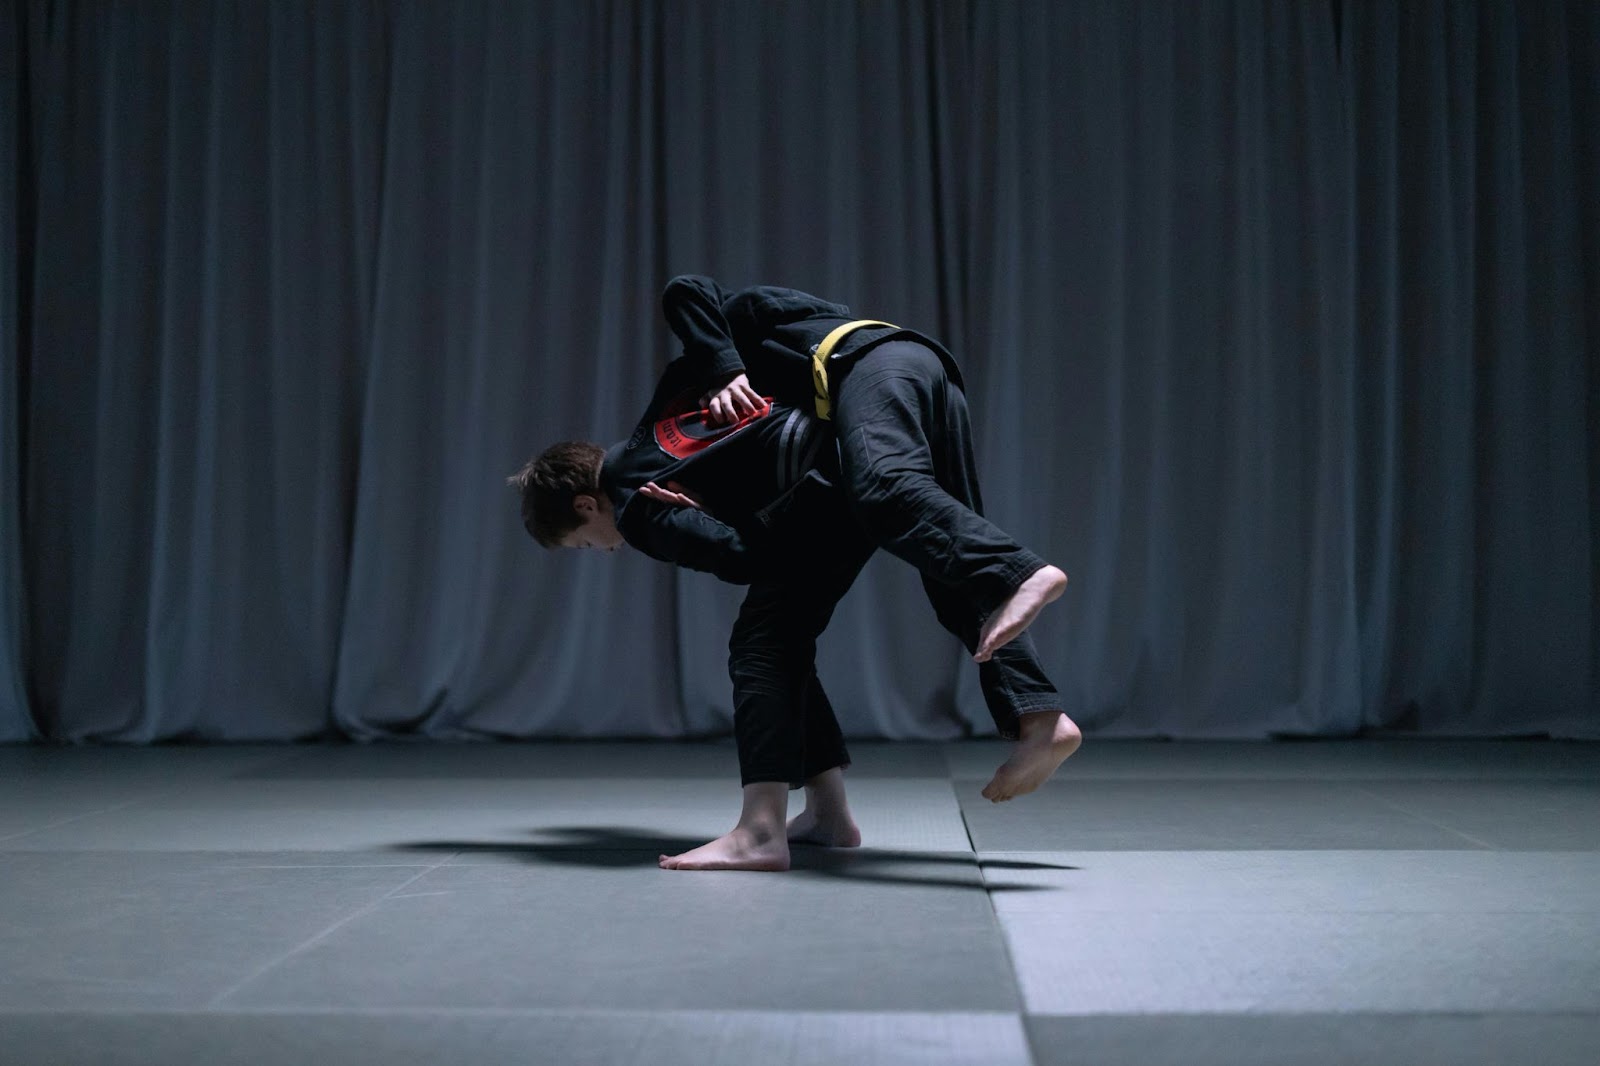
731 402
674 493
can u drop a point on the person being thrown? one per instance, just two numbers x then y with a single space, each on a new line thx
729 482
896 401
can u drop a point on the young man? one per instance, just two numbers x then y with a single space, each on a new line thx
750 501
905 446
722 482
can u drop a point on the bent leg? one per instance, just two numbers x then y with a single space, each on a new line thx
1012 680
905 449
1024 704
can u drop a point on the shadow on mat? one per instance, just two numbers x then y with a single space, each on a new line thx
618 847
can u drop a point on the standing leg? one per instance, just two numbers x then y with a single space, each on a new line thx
756 843
826 819
767 678
783 724
824 741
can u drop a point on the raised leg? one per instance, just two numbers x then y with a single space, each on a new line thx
1048 738
905 446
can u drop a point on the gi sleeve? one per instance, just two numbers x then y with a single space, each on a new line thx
752 313
689 538
692 304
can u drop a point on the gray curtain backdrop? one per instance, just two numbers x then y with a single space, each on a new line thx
1279 319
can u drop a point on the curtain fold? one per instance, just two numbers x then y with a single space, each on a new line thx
16 223
1279 324
1472 149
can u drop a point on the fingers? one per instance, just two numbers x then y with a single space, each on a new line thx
730 405
746 399
727 383
732 402
673 495
680 500
690 498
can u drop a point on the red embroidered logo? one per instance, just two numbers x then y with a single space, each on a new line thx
682 429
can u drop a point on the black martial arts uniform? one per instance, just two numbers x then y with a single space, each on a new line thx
905 448
774 520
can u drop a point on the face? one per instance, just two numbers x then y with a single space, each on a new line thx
598 528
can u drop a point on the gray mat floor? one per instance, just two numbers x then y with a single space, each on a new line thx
1216 903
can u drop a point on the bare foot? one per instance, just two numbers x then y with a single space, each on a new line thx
831 832
742 849
1018 613
1047 740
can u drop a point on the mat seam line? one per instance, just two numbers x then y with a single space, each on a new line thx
316 938
1483 844
1021 1013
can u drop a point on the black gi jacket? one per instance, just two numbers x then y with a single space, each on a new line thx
748 475
769 333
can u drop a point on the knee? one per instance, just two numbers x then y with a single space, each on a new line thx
895 486
878 498
771 659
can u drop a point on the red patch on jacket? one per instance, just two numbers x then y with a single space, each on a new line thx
682 429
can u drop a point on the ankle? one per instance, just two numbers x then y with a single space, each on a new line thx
762 830
1047 727
1037 724
825 795
828 811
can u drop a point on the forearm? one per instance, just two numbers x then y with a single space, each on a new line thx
691 539
692 305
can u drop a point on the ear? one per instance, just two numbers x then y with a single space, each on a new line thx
585 505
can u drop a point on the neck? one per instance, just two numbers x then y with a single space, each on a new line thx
602 496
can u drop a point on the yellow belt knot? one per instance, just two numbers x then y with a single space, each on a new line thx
821 354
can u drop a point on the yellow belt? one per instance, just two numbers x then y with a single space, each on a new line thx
819 360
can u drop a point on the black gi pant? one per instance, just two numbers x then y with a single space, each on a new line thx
783 724
905 446
910 485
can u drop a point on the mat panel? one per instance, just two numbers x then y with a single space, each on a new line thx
1315 1040
913 936
1186 815
576 1038
1110 962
